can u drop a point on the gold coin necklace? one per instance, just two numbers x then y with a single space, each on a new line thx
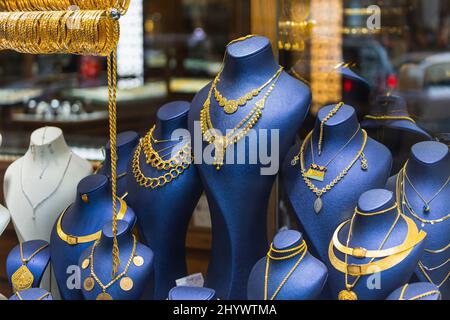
222 142
126 283
23 278
348 293
293 252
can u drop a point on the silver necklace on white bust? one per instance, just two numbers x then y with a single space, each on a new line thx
34 207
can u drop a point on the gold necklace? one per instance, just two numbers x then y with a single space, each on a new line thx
301 249
160 181
74 240
221 143
318 204
322 123
155 160
45 295
359 270
316 171
419 296
372 117
230 106
126 283
23 278
425 273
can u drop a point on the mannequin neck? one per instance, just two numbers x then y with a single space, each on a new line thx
92 192
248 60
126 142
165 128
124 239
429 164
339 128
390 104
46 143
286 240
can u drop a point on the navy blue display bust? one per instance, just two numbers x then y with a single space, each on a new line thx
87 215
339 202
191 293
238 194
32 294
37 265
428 169
368 232
305 283
416 291
141 273
126 142
396 134
164 212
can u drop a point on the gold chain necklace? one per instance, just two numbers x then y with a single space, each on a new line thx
322 123
419 296
318 203
160 181
230 106
221 143
155 160
372 117
126 283
348 293
23 278
301 249
45 295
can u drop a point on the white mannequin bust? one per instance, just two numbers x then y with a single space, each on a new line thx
41 184
4 213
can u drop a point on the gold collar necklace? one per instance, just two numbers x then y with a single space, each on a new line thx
74 240
23 278
126 283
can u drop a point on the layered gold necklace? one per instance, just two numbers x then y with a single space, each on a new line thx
174 166
23 278
222 142
301 250
126 283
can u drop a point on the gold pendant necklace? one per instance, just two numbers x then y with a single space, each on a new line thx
126 283
318 203
301 249
23 278
221 143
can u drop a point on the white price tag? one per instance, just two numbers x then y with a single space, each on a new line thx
193 280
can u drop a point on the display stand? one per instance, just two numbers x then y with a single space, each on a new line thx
32 294
184 293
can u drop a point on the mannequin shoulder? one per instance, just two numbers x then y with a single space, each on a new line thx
293 90
81 165
4 218
13 168
378 150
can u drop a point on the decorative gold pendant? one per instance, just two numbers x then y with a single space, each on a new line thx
318 204
138 261
22 279
88 284
219 151
314 174
230 107
104 296
426 208
126 283
85 263
364 162
347 295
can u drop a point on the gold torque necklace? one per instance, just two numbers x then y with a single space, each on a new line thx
221 143
74 240
230 106
419 296
348 293
126 283
318 203
23 278
291 253
45 295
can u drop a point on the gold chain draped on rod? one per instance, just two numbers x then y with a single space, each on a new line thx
57 27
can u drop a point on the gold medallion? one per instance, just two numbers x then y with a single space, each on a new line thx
104 296
138 261
230 107
88 284
126 283
347 295
22 279
85 263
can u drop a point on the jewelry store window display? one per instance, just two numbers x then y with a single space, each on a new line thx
250 92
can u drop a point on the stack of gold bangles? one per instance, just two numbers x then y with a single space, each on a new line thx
54 5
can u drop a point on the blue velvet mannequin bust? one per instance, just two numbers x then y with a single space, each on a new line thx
141 275
126 142
305 283
428 169
80 219
238 194
339 202
164 213
37 265
430 292
191 293
369 232
32 294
